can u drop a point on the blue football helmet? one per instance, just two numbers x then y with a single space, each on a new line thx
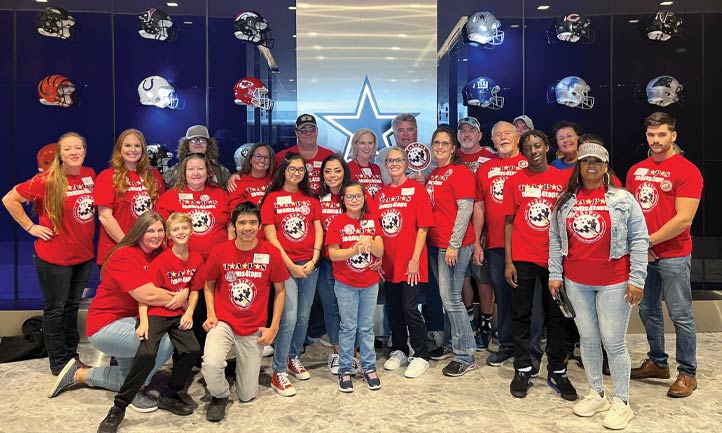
483 28
663 91
573 92
483 92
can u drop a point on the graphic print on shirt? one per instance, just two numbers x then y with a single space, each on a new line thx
390 211
294 225
586 224
361 261
500 174
243 290
84 207
140 204
330 208
537 214
437 180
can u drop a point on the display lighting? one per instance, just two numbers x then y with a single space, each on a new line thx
666 3
172 4
543 7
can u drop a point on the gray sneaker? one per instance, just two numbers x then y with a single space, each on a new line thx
65 379
143 403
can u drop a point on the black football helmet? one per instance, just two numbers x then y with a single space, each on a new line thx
574 27
252 27
56 23
156 24
663 25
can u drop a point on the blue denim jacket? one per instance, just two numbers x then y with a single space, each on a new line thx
629 235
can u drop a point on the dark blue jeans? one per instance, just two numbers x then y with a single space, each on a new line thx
63 288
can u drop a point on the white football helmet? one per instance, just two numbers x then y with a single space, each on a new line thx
483 28
663 90
157 91
241 154
573 92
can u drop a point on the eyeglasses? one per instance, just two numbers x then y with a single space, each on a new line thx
354 196
259 157
443 144
308 130
592 161
198 140
291 169
390 161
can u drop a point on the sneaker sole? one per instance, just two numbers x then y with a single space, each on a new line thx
284 393
458 374
604 408
620 426
55 389
305 376
345 390
568 397
174 411
373 388
143 409
518 394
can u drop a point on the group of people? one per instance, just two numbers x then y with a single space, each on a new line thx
191 270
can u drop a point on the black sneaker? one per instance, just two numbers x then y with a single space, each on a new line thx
217 409
520 384
496 359
344 382
175 405
111 421
372 380
457 368
440 353
560 383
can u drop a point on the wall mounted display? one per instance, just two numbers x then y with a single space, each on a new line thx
663 90
159 156
240 155
56 23
664 25
156 24
157 91
252 27
56 90
573 92
574 28
252 92
483 28
483 92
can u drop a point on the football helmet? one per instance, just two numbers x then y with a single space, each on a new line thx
155 24
483 92
573 92
573 28
45 156
159 156
56 90
56 23
157 91
251 91
241 154
252 27
665 24
483 28
663 90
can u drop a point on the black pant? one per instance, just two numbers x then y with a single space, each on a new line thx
522 302
403 301
63 288
186 348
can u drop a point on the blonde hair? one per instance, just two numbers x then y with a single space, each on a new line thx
177 218
355 139
143 168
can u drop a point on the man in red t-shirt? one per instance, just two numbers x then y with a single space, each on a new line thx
669 188
307 139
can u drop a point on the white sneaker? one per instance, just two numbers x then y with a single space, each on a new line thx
437 337
591 404
267 351
417 367
333 360
396 360
619 415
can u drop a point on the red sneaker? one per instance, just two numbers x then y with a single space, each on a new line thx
297 369
280 382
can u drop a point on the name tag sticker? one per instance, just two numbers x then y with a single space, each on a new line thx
641 171
326 197
317 164
496 171
367 224
88 181
531 191
367 171
284 200
407 191
185 196
263 259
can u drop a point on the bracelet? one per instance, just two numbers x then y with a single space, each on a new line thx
28 229
317 249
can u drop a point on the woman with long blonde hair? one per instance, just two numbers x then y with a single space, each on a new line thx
62 197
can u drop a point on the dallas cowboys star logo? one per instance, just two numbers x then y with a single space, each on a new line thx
367 115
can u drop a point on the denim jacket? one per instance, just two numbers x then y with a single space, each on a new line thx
628 231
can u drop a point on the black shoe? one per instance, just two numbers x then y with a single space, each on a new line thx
111 421
217 409
440 353
560 383
457 368
520 384
496 359
175 405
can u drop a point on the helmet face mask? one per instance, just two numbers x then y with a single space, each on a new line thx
56 23
250 26
156 24
663 91
483 92
573 28
241 154
663 25
157 91
252 92
483 28
56 90
573 92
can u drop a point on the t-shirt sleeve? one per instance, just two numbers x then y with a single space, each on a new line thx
210 270
479 184
316 207
333 236
510 204
690 183
159 180
103 189
279 273
425 212
33 188
129 270
165 204
464 186
198 281
267 210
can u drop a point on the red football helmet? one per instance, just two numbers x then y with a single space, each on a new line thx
45 156
251 91
56 90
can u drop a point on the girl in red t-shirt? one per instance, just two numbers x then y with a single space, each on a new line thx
63 199
363 151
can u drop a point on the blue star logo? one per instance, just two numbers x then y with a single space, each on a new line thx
366 115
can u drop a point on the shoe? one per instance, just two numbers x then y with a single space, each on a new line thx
297 369
520 384
436 337
267 351
174 405
619 415
482 340
591 404
397 359
112 420
649 370
333 360
417 367
534 371
80 363
560 383
66 379
372 380
683 386
143 403
440 353
496 359
217 409
457 368
280 382
344 383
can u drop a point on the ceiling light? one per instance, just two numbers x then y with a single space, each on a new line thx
291 80
390 58
317 47
395 48
292 8
312 34
320 58
666 3
633 21
294 36
41 1
172 4
401 35
514 26
543 7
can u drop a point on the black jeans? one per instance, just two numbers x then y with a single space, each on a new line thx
522 303
63 288
187 352
402 301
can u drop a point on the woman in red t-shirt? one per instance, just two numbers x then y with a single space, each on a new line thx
363 151
123 192
63 199
250 183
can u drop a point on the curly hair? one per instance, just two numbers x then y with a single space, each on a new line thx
211 149
143 168
181 183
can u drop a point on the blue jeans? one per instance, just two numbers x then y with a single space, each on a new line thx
450 281
118 339
356 306
294 320
602 317
325 289
669 279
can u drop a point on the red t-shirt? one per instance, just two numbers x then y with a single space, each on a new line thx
248 188
126 209
345 231
208 209
530 197
175 274
446 185
656 187
293 215
243 283
490 187
402 210
313 165
474 160
128 269
589 234
73 243
369 177
330 208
